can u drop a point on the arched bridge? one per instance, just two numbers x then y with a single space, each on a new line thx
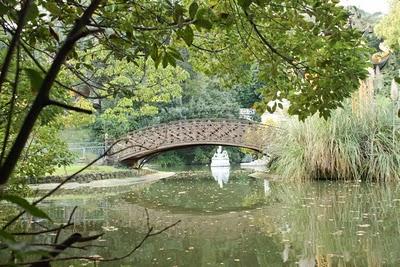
151 140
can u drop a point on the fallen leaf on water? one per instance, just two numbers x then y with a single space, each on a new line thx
339 232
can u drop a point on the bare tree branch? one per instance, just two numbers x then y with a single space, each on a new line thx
40 101
77 238
44 231
68 107
69 222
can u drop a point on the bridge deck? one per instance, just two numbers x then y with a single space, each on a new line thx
163 137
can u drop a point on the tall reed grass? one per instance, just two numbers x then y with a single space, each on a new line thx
348 146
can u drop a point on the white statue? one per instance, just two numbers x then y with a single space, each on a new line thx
220 158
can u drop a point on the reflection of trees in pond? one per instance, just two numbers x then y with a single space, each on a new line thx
341 224
197 240
201 195
338 224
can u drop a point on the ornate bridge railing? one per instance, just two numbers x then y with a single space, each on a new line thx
147 141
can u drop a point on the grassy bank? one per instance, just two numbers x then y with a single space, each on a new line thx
71 169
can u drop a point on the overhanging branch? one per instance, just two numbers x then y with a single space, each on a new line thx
68 107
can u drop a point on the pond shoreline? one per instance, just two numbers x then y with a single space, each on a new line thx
151 176
88 177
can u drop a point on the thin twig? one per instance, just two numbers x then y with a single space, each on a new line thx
12 104
44 231
41 225
69 222
77 238
148 234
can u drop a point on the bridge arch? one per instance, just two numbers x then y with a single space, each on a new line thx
152 140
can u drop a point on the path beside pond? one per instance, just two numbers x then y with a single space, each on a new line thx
107 183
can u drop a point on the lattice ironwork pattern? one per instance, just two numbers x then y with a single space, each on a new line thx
147 141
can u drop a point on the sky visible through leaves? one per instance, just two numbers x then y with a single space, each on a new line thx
370 6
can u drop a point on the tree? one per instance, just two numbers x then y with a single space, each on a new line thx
145 90
304 49
299 61
389 26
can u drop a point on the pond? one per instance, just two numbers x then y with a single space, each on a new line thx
231 219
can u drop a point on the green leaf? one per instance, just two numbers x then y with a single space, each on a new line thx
175 53
3 9
244 3
187 35
165 60
397 79
158 60
202 13
33 13
280 105
24 204
203 23
193 10
154 52
35 78
52 8
171 60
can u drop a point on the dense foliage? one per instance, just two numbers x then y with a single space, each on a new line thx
359 141
44 150
296 48
54 52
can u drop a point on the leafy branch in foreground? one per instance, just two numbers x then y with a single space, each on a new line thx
42 98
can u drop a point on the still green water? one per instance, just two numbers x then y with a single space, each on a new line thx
240 221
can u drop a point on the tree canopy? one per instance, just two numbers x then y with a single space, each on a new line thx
304 51
137 55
